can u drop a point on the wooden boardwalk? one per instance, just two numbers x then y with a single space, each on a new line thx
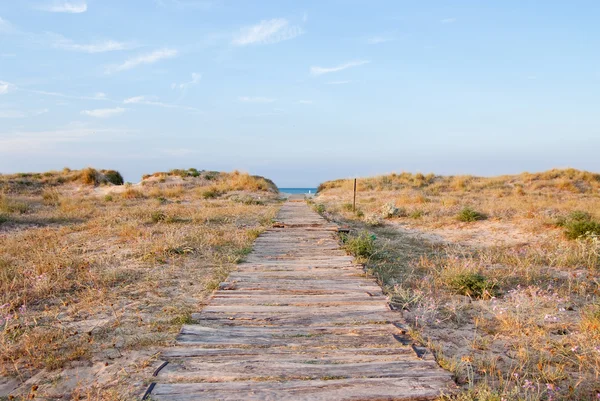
298 321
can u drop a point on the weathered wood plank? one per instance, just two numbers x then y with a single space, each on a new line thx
397 389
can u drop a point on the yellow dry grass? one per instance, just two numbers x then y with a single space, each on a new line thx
486 276
93 283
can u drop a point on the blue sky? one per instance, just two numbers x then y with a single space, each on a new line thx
300 91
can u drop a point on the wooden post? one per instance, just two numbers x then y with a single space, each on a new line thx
354 201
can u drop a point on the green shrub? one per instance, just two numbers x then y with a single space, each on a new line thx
578 224
114 177
319 208
3 218
471 284
359 213
108 198
362 245
469 215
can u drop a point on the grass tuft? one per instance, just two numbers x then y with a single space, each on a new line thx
469 215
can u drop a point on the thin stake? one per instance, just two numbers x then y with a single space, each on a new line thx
354 201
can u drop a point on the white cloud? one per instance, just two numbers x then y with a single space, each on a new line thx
72 7
98 47
135 99
149 58
248 99
448 20
338 82
21 114
153 102
103 113
5 87
267 32
305 101
327 70
195 80
100 95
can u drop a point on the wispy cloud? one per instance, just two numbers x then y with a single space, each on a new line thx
152 101
258 99
5 26
338 82
195 80
328 70
39 141
305 101
149 58
60 42
103 113
267 32
21 114
72 7
448 20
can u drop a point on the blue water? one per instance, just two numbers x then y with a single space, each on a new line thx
298 190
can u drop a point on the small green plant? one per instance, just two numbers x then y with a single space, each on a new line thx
471 284
108 198
3 218
359 213
469 215
319 208
362 245
579 224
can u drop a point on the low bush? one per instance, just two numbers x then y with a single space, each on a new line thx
469 215
361 245
470 284
114 177
578 224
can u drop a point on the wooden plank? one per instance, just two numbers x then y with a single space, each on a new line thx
397 389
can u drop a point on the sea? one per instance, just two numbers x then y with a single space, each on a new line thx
298 190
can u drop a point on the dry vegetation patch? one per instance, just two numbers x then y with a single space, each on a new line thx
93 280
499 276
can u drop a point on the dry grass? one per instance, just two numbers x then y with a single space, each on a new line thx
509 303
92 283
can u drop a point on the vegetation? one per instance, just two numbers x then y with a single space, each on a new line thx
468 215
37 182
106 275
510 304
